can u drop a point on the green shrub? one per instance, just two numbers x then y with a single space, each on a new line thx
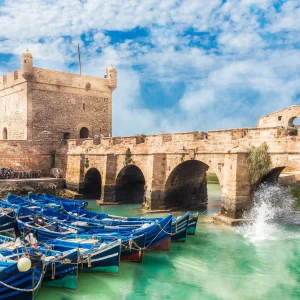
259 162
128 159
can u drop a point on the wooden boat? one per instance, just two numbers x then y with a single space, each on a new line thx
11 280
33 199
18 200
7 219
60 268
54 199
179 228
47 231
179 224
89 220
94 256
158 234
192 225
132 247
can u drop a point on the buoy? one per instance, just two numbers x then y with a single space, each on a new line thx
24 264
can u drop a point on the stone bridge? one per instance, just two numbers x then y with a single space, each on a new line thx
170 170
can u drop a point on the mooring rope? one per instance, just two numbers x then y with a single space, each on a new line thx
162 230
27 290
53 270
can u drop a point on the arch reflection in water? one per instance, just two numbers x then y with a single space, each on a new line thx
130 185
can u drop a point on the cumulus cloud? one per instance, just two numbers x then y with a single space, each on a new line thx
236 60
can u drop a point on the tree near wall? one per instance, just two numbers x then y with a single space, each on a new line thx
259 162
128 159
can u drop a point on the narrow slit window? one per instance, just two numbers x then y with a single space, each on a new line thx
83 106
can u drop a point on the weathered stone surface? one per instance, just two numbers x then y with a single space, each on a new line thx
36 185
51 105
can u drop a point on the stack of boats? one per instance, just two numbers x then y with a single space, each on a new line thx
54 238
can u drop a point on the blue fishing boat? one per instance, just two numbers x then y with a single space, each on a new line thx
179 224
158 234
60 268
193 219
179 228
132 247
46 231
7 219
94 256
191 229
18 200
16 285
55 199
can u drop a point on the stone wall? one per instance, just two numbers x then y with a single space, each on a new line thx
51 105
32 155
157 156
64 102
13 106
37 185
284 117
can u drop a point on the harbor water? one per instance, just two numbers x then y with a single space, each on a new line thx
258 261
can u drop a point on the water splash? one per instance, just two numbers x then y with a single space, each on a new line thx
272 210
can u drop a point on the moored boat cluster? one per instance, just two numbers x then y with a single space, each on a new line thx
54 238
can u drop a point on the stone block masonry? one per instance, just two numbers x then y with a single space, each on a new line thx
43 105
169 163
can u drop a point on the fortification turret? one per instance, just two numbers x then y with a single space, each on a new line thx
111 75
26 65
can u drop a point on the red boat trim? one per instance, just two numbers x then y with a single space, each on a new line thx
164 245
135 257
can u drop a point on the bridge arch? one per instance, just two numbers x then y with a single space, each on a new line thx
130 185
92 187
186 185
271 177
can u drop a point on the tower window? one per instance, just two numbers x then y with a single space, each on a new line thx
279 118
84 133
66 135
83 106
25 61
4 133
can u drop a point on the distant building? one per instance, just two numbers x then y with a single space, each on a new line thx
39 104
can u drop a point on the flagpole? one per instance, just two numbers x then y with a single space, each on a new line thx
79 59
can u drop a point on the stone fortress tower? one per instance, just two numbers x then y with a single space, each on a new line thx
38 104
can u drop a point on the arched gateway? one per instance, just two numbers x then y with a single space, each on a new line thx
92 184
130 184
186 186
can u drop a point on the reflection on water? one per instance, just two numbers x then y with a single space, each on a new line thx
218 263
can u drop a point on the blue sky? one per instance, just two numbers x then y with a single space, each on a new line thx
183 65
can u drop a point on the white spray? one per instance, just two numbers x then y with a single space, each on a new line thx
272 208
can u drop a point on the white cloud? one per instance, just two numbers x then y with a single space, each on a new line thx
251 69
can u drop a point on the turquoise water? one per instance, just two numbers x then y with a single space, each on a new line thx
217 263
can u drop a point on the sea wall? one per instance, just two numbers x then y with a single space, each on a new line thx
35 185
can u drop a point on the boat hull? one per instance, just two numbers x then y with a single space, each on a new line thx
179 229
63 273
191 230
103 260
7 221
22 280
163 245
